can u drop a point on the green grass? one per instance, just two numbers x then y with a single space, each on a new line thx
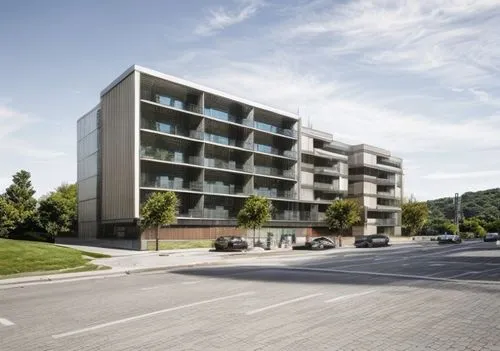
18 257
94 254
181 244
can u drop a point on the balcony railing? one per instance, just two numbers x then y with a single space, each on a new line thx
333 170
328 187
274 172
382 221
276 193
217 163
176 103
389 162
223 213
273 129
175 184
230 189
218 139
386 193
274 151
170 156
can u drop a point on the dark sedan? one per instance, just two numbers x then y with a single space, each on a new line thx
449 239
491 237
321 243
371 240
228 243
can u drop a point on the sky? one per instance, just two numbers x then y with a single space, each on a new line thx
420 78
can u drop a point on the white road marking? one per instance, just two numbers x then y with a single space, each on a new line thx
436 264
129 319
283 303
5 322
461 275
396 275
350 296
150 288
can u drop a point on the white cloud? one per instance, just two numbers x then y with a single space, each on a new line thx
12 122
438 38
222 18
475 174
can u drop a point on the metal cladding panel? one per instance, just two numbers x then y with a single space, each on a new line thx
118 151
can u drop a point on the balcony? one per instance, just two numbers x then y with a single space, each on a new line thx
386 194
218 139
271 171
207 213
274 151
382 221
330 154
172 184
170 101
389 162
286 216
275 193
172 129
169 156
232 165
373 179
221 188
221 115
328 187
331 171
312 216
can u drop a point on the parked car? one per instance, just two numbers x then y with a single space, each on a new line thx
491 237
321 243
227 243
449 239
371 240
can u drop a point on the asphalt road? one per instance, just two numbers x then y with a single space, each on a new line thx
427 297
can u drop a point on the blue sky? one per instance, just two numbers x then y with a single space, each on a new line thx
420 78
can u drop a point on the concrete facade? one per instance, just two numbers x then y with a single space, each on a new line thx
152 132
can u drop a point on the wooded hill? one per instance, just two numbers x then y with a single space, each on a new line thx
484 204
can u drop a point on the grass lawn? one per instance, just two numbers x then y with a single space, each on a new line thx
181 244
17 256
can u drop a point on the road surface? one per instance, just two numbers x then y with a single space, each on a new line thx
419 297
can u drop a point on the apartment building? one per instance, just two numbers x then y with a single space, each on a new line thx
376 181
154 132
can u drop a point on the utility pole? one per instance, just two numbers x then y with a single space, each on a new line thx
457 211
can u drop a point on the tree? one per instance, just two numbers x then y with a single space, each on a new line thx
414 216
57 211
255 212
342 214
20 195
472 225
8 217
159 209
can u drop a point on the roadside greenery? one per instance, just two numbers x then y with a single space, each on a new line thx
255 212
414 216
341 215
159 209
23 217
480 214
18 256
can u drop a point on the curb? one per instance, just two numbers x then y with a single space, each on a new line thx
7 282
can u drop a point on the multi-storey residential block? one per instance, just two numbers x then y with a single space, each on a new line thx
376 181
153 132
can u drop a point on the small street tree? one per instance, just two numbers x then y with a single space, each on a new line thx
414 216
8 217
342 214
159 209
255 213
57 211
20 195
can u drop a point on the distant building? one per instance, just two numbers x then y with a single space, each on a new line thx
154 132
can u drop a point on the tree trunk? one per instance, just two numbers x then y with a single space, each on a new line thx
253 237
157 237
